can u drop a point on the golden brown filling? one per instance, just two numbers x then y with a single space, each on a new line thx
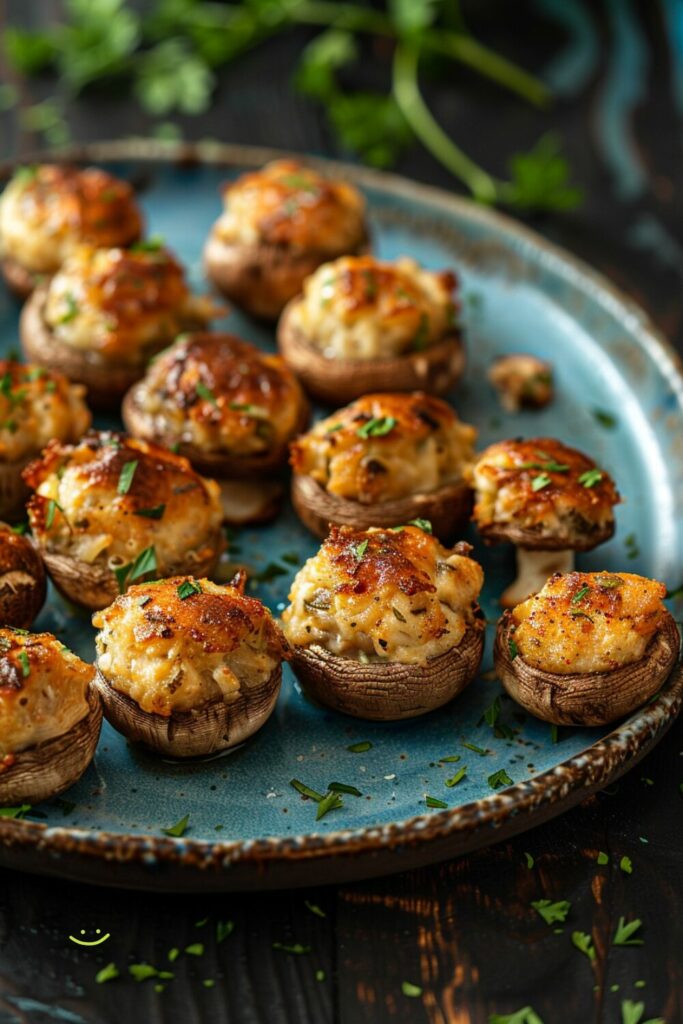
47 210
361 308
176 644
37 405
542 484
588 622
386 446
221 395
43 689
123 304
396 595
289 204
110 498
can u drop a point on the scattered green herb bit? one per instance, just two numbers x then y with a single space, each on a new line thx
603 858
178 829
342 787
527 1015
632 1013
584 943
270 572
590 478
330 802
631 544
200 924
20 528
333 429
146 562
187 588
151 513
552 912
50 386
458 777
451 759
306 790
475 748
580 594
166 975
614 988
421 524
205 393
432 801
361 548
141 972
173 954
208 983
195 949
153 244
145 599
639 984
223 929
605 419
410 990
378 426
175 447
609 582
14 812
513 649
71 309
107 973
549 466
647 781
315 909
319 975
529 860
398 615
422 335
626 865
554 733
540 481
52 507
296 948
492 718
159 988
126 476
360 748
500 778
625 932
22 658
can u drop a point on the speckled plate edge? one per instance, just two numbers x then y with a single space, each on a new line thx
153 862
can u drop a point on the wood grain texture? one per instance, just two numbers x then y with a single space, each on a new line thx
464 932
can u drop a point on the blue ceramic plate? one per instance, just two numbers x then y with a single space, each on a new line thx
619 396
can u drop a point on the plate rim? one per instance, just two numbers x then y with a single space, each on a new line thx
584 772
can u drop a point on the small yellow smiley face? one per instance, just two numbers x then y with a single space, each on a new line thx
91 942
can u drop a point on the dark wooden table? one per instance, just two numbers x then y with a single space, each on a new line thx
463 932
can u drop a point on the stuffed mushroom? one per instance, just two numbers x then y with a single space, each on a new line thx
384 623
230 409
47 210
588 648
106 312
50 717
279 224
549 500
188 667
384 460
112 510
35 407
360 321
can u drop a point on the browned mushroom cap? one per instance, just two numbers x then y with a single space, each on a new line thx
105 381
336 381
13 490
47 769
380 691
212 727
19 280
590 698
22 580
447 509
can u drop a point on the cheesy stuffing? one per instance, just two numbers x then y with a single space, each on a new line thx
37 405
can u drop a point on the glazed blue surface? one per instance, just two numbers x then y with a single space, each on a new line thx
516 296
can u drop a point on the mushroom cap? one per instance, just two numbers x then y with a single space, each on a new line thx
214 726
22 579
19 280
447 508
261 277
589 698
13 491
47 769
388 691
339 381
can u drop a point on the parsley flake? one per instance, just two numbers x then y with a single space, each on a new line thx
458 777
499 779
603 858
126 476
540 482
107 973
223 929
410 990
421 524
206 393
145 563
187 588
605 419
625 932
552 912
378 426
156 512
360 549
584 943
626 865
432 801
178 829
475 748
52 507
22 658
296 948
342 787
360 748
330 802
590 478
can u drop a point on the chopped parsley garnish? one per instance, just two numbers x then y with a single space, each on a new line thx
378 426
584 943
187 588
145 563
580 594
451 759
71 311
360 748
22 658
632 1013
603 858
499 778
153 244
206 393
334 428
145 599
330 802
20 528
540 481
14 812
178 829
631 544
626 865
398 614
513 649
548 466
527 1015
475 748
421 524
361 548
458 777
173 954
529 860
320 975
248 410
609 582
305 790
126 476
410 990
422 334
52 507
107 973
142 972
625 932
552 912
590 478
223 929
299 181
195 949
296 948
432 801
151 513
492 718
342 787
315 909
605 419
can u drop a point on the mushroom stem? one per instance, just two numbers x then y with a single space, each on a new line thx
533 570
